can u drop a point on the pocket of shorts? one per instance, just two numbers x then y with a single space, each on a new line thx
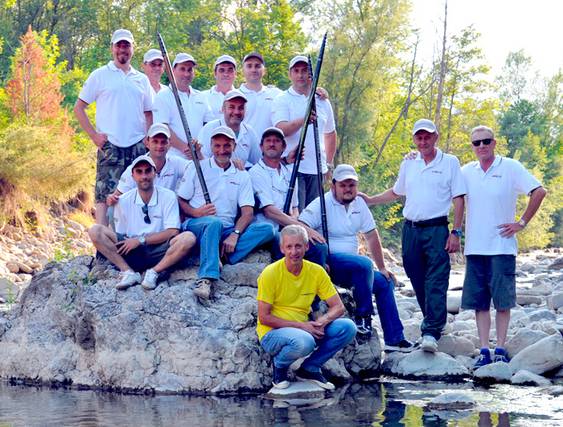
108 154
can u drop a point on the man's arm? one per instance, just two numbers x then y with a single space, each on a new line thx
387 196
453 243
205 210
268 319
127 245
246 217
335 310
290 127
80 112
536 199
148 119
376 250
330 146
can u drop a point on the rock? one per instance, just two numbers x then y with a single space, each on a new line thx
431 366
454 303
528 267
542 356
24 268
525 299
557 264
466 361
555 301
297 390
524 377
8 289
543 314
522 339
463 325
494 372
451 402
73 326
466 315
13 267
556 390
455 346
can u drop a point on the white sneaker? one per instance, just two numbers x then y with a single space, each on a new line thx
128 278
149 282
429 344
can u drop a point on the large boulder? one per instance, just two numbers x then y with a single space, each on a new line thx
424 365
543 356
73 327
498 372
523 338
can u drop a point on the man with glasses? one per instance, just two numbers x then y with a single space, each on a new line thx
153 66
493 184
430 183
193 101
147 231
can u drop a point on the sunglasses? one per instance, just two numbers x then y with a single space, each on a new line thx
485 141
145 209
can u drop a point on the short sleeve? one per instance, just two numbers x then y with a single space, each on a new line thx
246 193
458 183
89 91
330 126
170 211
266 285
148 97
311 215
325 288
262 187
367 221
255 153
126 181
400 185
524 181
119 219
204 138
280 110
161 108
186 186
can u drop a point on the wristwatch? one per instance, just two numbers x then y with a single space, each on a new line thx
522 223
142 240
237 231
457 232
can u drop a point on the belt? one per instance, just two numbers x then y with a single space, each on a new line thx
433 222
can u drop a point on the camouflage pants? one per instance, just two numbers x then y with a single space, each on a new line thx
111 163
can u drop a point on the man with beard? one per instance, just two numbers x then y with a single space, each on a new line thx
124 100
153 66
288 115
193 101
348 215
225 72
146 237
247 151
219 231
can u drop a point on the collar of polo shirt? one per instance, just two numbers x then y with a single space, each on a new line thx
152 202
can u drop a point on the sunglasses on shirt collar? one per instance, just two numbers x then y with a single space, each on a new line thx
145 210
485 141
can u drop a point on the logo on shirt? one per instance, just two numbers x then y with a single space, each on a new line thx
355 213
435 171
234 183
496 176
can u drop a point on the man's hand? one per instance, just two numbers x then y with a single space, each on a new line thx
239 164
509 229
453 245
313 116
99 139
112 199
197 147
411 155
205 210
322 93
388 275
229 244
314 328
127 245
292 156
315 236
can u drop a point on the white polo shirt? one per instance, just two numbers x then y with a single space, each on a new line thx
248 144
121 101
163 211
491 201
343 224
215 100
258 113
195 107
228 189
168 177
290 105
429 188
270 187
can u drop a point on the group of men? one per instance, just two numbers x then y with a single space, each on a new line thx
246 140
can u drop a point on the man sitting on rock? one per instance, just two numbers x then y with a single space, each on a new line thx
147 222
348 215
215 224
286 290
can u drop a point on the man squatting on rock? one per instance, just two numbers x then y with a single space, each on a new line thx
348 215
493 184
146 237
124 100
430 183
286 290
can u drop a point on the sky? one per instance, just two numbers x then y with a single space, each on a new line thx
505 26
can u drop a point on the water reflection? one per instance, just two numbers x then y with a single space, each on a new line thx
386 404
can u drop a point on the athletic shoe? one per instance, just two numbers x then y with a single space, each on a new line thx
280 378
150 279
202 288
314 377
429 344
483 359
500 355
404 346
363 326
128 278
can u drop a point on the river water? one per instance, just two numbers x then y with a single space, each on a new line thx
389 403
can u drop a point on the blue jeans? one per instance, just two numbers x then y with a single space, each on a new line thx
207 230
256 234
286 345
356 271
316 253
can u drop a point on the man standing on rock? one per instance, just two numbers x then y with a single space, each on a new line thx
286 290
493 185
124 100
348 215
430 183
146 237
220 232
225 72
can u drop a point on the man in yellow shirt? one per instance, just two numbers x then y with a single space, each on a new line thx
286 290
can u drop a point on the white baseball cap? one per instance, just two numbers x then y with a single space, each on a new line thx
343 172
151 55
225 58
157 128
121 34
183 57
273 130
235 93
424 124
223 130
296 59
143 158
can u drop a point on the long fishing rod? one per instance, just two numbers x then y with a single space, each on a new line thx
174 88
